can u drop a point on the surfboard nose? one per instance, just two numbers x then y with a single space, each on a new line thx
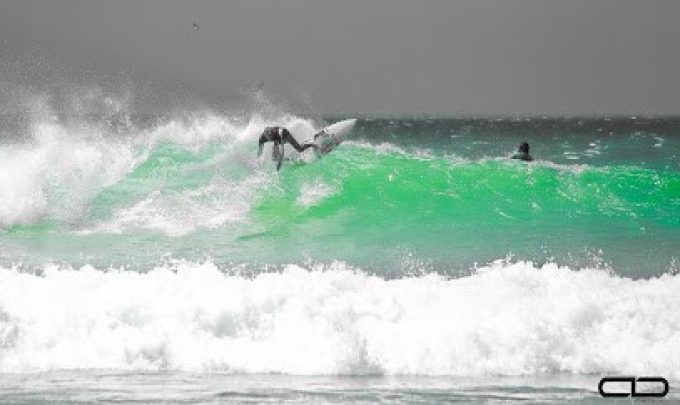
342 127
351 123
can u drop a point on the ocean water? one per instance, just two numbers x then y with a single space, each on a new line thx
156 259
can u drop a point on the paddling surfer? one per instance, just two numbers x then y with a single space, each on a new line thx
523 153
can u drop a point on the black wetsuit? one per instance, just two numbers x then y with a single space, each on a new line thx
279 136
523 153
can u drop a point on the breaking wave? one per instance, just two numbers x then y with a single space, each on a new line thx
506 319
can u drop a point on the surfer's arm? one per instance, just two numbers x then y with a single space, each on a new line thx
261 142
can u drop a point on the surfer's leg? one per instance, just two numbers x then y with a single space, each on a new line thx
275 151
300 148
303 147
289 138
277 154
280 149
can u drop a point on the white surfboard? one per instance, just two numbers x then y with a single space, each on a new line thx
330 137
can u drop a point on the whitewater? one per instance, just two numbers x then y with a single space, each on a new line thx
506 319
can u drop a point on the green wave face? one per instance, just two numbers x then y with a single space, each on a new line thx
373 204
446 209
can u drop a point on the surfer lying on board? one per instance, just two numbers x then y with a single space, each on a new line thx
279 136
523 153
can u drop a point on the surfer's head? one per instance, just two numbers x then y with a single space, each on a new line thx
523 147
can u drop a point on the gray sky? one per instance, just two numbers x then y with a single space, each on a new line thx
385 56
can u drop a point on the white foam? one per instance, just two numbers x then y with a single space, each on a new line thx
386 148
314 192
179 213
507 319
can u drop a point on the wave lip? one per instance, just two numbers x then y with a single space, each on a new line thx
507 319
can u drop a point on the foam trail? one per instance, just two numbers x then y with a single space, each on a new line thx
507 319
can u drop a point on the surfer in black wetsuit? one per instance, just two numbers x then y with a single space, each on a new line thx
280 136
523 153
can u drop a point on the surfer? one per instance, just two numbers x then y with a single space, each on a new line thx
280 136
523 153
